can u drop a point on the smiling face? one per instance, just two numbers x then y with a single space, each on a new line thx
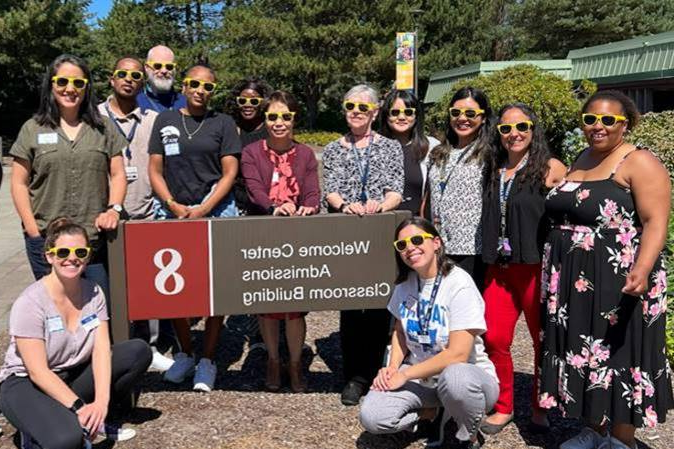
466 128
279 128
68 97
127 87
516 141
360 122
419 258
70 267
161 78
599 136
401 124
198 98
248 111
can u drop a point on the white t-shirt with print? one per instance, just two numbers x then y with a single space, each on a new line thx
458 306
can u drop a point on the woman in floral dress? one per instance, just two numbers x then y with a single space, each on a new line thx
604 284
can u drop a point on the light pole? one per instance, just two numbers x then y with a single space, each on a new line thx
416 13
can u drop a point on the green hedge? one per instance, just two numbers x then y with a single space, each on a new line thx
552 97
669 265
656 131
320 138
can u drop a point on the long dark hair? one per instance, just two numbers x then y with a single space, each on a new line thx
48 112
418 141
445 265
536 170
257 84
451 140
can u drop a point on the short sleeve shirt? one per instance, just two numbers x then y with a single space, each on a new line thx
34 315
68 178
192 165
458 306
342 174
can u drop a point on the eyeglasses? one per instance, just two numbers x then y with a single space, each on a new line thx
253 101
63 252
606 119
123 74
285 116
507 128
63 81
194 84
160 65
409 112
416 240
468 112
362 107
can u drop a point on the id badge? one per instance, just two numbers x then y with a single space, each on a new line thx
54 324
47 138
569 186
91 322
274 178
424 339
131 173
504 247
172 149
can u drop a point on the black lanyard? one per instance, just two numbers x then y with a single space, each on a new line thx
425 318
443 184
503 195
128 137
364 170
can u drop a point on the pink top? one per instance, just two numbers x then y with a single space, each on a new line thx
284 187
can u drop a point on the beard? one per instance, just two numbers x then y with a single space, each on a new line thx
160 85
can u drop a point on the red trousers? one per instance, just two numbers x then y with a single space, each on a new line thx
509 291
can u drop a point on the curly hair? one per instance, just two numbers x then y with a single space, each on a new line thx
536 169
253 83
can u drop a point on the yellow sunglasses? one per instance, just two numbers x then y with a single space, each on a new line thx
507 128
253 101
123 74
416 240
195 84
286 116
63 81
63 252
468 112
606 119
160 65
362 107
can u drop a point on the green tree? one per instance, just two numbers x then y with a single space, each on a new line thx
554 27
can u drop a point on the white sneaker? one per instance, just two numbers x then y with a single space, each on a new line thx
586 439
160 362
204 378
613 443
182 367
115 433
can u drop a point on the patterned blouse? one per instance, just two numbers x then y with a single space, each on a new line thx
341 172
459 209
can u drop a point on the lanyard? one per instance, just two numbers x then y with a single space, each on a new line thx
425 318
128 137
504 193
363 167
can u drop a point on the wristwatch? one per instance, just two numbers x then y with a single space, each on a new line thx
78 404
116 207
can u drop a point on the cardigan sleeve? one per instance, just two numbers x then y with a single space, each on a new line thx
258 193
311 191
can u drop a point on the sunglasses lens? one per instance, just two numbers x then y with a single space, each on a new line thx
287 117
194 84
272 117
349 106
61 82
254 101
608 120
362 107
589 119
158 65
169 66
79 84
417 240
400 245
409 112
241 101
505 129
471 113
136 76
394 112
121 74
522 127
209 87
62 253
455 112
81 253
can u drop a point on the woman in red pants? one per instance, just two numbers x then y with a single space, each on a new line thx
520 172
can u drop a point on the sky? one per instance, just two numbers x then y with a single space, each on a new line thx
100 8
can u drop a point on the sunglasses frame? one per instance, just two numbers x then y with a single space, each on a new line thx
357 106
600 118
188 81
71 81
464 112
71 250
529 126
248 101
408 241
280 115
162 65
128 74
402 111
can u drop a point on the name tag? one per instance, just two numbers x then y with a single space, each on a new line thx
54 324
131 173
424 339
47 138
91 322
569 186
274 178
172 149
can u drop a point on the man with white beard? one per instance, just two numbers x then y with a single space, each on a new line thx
159 94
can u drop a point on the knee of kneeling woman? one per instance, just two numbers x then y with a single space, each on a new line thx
140 352
453 381
66 439
373 418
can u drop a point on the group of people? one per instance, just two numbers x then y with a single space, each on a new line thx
499 227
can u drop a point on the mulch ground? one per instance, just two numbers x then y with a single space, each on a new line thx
239 414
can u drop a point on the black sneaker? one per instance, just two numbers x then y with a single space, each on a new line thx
352 392
473 444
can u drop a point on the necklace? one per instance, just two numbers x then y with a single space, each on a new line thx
190 135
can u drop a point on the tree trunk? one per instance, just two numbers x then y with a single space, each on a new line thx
312 93
189 31
199 19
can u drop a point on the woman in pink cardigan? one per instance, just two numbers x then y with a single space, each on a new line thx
281 179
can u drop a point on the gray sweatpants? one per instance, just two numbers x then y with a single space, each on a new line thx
466 392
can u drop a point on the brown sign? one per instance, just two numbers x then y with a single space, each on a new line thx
251 265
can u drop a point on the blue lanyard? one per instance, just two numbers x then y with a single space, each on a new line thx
425 318
364 170
128 137
504 191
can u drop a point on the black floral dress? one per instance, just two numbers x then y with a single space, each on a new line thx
603 355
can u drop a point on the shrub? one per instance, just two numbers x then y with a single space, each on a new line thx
669 265
552 97
656 132
320 138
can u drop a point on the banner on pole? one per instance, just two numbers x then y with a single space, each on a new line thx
405 60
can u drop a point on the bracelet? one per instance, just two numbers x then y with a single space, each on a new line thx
169 202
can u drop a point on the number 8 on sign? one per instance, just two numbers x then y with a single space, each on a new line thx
167 271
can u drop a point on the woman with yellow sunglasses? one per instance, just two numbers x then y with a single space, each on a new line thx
60 374
520 171
437 358
363 173
604 287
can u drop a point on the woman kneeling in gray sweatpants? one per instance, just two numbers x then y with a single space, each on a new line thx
437 356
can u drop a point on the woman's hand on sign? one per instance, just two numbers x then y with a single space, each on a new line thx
380 383
179 210
305 210
355 208
285 209
372 207
196 212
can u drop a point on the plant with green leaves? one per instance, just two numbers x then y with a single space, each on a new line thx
655 132
552 97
